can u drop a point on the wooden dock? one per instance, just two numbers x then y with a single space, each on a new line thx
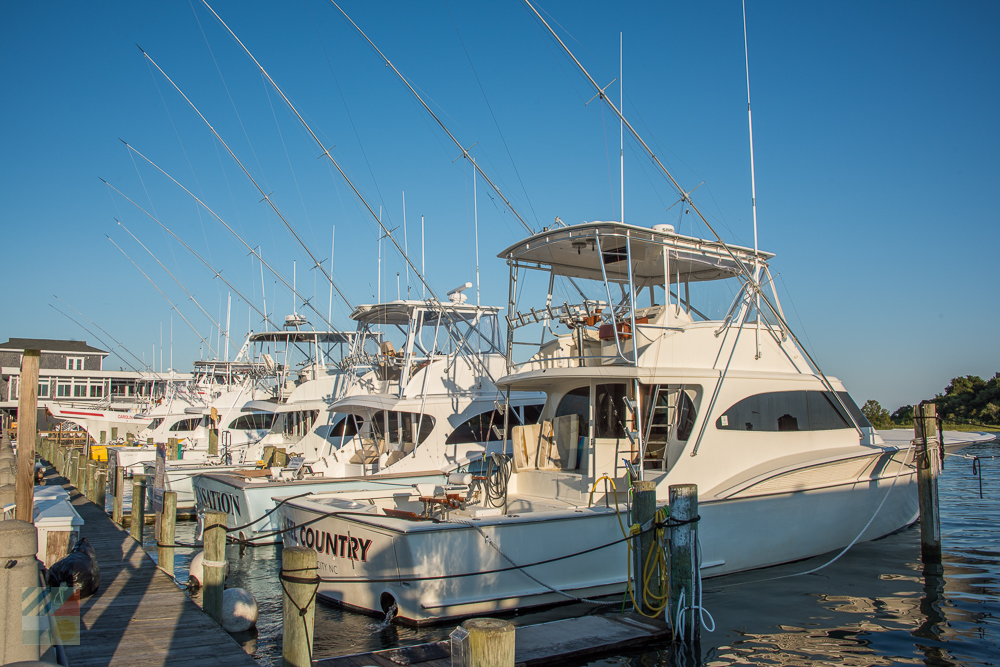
140 617
540 644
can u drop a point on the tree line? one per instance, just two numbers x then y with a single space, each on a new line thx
966 400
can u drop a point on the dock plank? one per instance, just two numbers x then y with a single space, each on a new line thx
540 644
140 617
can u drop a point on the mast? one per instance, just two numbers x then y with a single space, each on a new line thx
621 121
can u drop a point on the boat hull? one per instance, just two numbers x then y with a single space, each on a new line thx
735 535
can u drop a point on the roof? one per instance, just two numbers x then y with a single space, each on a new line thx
50 345
573 251
400 312
301 336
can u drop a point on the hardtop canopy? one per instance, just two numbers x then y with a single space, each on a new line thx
572 251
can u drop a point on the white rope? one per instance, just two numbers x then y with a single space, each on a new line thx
525 573
853 542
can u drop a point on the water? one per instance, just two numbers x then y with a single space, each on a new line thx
873 606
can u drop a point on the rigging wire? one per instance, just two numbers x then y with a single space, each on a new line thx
253 250
266 196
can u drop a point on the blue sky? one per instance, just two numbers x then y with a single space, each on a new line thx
875 132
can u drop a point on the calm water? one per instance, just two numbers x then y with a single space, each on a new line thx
873 606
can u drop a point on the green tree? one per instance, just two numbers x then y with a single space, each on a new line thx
876 414
903 416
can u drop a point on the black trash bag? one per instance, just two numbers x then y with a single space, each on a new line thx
78 568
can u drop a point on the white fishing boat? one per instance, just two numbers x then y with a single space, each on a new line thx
429 408
302 376
786 465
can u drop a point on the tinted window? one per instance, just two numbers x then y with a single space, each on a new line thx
685 416
785 411
347 426
532 413
186 424
155 424
478 429
576 402
395 423
610 412
260 421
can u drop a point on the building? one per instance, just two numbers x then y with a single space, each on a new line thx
71 371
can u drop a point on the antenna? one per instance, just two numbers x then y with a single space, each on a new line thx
406 246
423 267
333 235
475 217
753 182
621 121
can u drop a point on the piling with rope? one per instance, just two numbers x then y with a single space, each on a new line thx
137 519
643 511
165 540
684 616
928 467
214 563
299 584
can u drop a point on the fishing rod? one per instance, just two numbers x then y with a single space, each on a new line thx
192 251
118 342
465 152
254 251
267 196
745 276
434 301
112 349
190 296
207 344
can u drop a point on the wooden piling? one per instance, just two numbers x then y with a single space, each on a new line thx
91 491
137 520
683 508
119 490
928 466
165 541
214 563
100 484
490 642
298 605
27 415
643 509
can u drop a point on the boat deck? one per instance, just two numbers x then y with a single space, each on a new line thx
139 617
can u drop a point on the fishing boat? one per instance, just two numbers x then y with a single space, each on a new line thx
423 403
786 465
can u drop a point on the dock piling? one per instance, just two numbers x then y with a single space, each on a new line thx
100 484
928 466
18 548
165 541
119 491
91 490
137 519
683 561
490 643
298 605
27 415
643 509
214 563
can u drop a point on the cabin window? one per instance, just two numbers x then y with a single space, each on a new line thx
531 413
156 423
610 412
686 415
258 421
185 425
347 426
394 426
479 428
790 411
